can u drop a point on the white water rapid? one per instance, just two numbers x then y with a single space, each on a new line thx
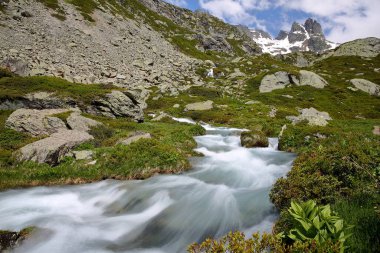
226 190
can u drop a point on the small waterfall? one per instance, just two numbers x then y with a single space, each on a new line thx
273 143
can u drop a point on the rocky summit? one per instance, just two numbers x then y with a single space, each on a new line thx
306 37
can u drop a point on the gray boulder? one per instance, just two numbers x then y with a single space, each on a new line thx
52 149
312 79
366 86
80 123
200 106
278 80
313 116
135 137
36 122
119 104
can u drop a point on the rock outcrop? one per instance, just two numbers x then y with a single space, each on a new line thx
366 86
368 47
278 80
118 104
36 122
36 100
282 79
312 116
199 106
52 149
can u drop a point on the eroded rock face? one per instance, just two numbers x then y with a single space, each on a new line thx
278 80
36 122
200 106
37 100
253 139
312 116
119 104
52 149
312 79
366 86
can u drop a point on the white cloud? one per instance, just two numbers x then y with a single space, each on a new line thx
236 11
346 19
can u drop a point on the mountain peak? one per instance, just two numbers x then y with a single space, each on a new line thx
306 37
313 27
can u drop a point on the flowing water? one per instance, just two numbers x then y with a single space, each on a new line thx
227 189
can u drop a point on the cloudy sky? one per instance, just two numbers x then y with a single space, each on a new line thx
342 20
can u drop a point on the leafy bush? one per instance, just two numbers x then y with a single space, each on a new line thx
317 224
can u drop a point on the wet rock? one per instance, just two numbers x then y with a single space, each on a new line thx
52 149
366 86
200 106
36 122
10 240
253 139
135 137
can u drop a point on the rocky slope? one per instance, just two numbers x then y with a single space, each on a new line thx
126 44
112 49
306 37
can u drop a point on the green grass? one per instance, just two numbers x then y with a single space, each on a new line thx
360 212
54 5
14 87
10 140
86 8
166 152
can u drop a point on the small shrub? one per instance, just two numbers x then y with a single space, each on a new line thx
101 133
317 224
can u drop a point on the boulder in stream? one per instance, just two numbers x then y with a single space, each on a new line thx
253 139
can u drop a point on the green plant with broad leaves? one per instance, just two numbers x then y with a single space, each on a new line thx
317 224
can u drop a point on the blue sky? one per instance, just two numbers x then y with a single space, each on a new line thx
342 20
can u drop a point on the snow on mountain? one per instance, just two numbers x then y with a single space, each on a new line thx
307 37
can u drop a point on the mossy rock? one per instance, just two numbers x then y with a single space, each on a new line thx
254 139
